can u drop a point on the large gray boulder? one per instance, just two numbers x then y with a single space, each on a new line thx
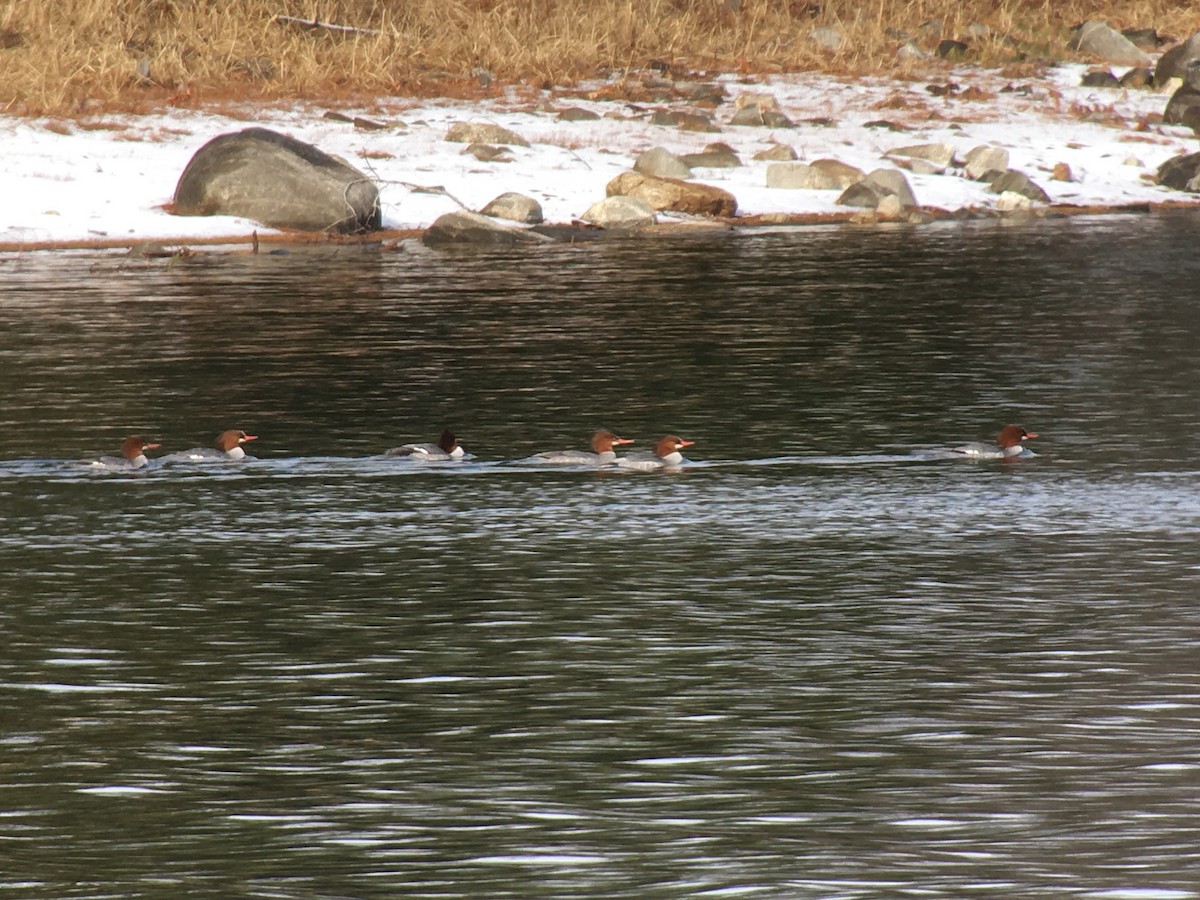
1098 39
484 133
278 181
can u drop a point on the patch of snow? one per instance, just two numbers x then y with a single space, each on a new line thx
110 178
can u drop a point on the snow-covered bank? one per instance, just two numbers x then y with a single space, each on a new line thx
108 177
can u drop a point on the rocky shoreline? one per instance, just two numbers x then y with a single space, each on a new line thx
654 155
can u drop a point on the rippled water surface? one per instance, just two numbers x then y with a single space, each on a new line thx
819 661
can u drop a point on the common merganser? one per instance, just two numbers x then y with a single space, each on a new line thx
602 453
1008 444
666 453
228 447
446 448
133 455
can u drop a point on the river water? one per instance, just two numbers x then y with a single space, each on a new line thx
821 660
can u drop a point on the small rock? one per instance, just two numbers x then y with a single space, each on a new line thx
515 207
1137 77
1100 78
483 133
978 31
877 185
1019 183
750 116
776 153
820 175
910 52
620 213
1011 200
952 50
708 93
464 227
939 155
722 157
488 153
983 159
1098 39
684 121
1062 172
756 116
577 114
1181 173
673 194
760 101
828 38
661 163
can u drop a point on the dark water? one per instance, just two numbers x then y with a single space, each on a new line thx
817 663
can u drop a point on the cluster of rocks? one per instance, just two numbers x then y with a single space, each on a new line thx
658 182
285 183
1179 66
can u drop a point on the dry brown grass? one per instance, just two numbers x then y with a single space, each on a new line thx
63 56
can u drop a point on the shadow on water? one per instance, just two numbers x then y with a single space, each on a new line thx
819 661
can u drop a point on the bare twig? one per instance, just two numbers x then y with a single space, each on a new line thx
432 189
317 25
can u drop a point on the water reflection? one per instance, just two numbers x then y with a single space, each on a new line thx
816 663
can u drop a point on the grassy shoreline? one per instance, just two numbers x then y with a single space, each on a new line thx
59 57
